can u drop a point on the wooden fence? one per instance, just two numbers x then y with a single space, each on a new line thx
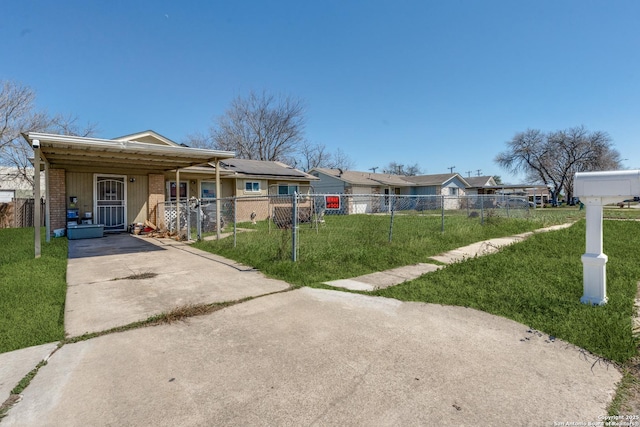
19 213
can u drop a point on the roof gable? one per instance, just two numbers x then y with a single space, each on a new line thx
436 179
148 137
481 181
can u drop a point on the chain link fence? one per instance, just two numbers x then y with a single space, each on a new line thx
20 213
285 217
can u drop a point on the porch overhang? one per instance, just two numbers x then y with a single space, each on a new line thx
75 152
68 152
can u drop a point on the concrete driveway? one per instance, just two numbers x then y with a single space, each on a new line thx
320 357
121 278
303 357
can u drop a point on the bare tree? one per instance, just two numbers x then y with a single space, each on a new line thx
394 168
198 140
553 158
312 156
262 127
18 114
340 160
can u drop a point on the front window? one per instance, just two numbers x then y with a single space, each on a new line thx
252 186
171 190
208 190
287 189
453 191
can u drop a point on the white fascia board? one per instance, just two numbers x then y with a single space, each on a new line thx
142 147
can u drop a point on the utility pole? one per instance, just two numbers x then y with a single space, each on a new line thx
451 168
468 174
373 169
479 171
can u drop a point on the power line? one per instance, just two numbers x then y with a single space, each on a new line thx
451 168
479 171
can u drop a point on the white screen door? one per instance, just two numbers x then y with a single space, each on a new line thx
111 207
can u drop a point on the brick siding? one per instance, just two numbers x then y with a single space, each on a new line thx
57 198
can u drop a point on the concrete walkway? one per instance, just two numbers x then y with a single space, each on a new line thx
14 365
319 357
385 279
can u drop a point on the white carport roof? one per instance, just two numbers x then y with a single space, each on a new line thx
62 151
77 152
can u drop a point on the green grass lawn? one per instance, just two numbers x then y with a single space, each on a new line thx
351 245
32 291
538 282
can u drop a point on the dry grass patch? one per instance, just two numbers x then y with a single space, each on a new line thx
138 276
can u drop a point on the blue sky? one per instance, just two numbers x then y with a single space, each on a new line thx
438 83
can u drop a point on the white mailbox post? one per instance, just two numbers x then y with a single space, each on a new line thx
596 189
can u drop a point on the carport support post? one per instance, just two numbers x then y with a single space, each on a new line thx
218 210
47 205
594 261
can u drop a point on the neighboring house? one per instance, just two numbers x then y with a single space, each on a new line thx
481 185
339 181
450 185
360 185
13 184
533 192
446 184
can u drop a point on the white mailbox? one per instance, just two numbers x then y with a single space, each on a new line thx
610 185
596 189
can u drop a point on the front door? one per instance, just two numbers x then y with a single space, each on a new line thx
110 203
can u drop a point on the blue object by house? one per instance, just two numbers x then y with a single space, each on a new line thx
87 231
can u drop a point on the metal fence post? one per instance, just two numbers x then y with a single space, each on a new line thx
235 220
442 203
199 220
466 199
187 208
393 210
482 199
294 227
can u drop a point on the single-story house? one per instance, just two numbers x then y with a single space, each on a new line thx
251 181
339 181
540 194
124 180
113 181
481 185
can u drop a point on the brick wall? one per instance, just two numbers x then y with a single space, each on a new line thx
57 198
156 195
